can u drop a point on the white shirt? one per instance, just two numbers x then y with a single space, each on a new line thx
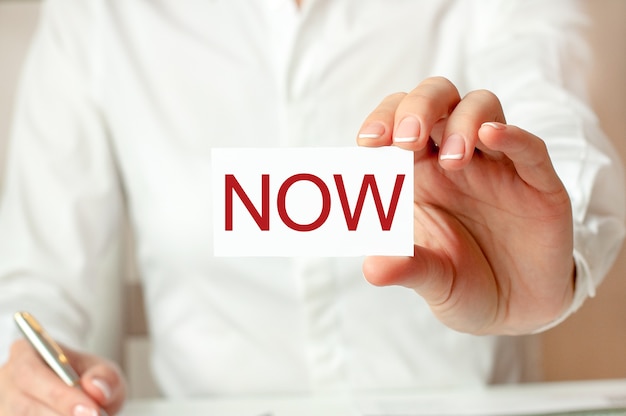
122 102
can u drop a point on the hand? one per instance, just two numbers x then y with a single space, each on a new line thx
29 387
493 224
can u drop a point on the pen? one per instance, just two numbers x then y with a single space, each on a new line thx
49 350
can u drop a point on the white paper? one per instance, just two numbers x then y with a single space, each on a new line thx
596 398
303 201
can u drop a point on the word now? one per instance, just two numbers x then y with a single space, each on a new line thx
262 219
312 201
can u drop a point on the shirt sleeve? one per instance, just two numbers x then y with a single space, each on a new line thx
61 204
535 56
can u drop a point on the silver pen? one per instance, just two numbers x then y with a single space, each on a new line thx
49 350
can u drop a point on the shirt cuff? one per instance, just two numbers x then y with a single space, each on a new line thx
584 288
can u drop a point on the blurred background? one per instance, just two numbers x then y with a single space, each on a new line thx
589 345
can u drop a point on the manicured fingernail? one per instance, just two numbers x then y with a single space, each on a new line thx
103 386
407 131
80 410
453 148
494 125
372 131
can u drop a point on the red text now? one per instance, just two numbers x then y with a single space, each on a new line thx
262 216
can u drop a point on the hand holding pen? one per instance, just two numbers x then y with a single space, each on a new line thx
83 384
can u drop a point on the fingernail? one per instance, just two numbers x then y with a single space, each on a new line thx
494 125
407 131
372 131
103 386
81 410
453 148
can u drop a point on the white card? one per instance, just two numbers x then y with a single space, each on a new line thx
344 201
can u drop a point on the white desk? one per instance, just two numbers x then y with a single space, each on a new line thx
529 399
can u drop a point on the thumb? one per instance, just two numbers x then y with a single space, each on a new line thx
429 274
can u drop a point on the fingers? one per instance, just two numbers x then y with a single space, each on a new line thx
29 384
458 127
417 114
460 135
16 403
378 126
433 110
528 153
36 381
407 120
